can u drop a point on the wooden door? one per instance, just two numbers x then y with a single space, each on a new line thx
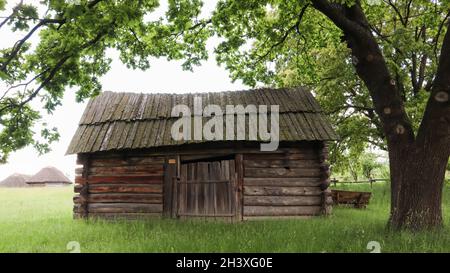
207 189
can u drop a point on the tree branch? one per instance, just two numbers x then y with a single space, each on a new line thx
436 120
42 22
7 18
371 67
397 11
52 72
18 46
286 34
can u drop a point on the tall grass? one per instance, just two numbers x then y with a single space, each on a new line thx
40 220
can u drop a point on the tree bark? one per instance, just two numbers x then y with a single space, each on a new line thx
417 178
417 164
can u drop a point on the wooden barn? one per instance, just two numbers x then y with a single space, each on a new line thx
132 167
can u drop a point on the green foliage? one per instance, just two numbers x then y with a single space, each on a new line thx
73 39
369 165
270 42
21 17
366 166
291 44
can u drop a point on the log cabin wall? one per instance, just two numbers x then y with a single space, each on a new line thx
115 186
290 182
284 185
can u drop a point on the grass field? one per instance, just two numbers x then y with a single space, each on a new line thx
40 220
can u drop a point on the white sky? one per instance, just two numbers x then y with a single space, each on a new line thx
163 76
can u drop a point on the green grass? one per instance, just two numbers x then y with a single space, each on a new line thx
40 220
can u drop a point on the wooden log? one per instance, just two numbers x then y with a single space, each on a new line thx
77 188
77 215
170 171
324 166
124 216
281 210
146 198
84 192
282 172
307 163
284 182
282 200
272 190
311 155
325 184
239 160
121 179
81 159
123 208
79 171
129 170
204 148
130 161
132 188
204 157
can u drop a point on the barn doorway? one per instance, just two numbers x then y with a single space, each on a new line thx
207 189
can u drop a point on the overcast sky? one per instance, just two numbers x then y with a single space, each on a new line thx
163 76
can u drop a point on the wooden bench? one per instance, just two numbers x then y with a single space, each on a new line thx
356 198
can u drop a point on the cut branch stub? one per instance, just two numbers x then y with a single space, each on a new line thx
441 96
370 58
400 129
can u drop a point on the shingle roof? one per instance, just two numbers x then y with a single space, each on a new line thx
114 121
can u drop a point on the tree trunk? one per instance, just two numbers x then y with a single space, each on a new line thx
417 163
417 179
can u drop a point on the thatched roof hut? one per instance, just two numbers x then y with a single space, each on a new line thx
16 180
49 176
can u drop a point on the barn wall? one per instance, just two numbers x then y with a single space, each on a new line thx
113 186
286 184
290 182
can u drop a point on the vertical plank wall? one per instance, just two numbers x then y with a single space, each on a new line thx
110 186
285 184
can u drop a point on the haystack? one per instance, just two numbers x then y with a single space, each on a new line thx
49 176
16 180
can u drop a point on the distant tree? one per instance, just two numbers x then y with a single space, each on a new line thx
369 165
354 168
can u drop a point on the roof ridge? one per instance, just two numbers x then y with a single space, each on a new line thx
206 92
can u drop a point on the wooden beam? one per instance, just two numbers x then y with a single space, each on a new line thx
282 191
170 172
281 210
282 200
239 161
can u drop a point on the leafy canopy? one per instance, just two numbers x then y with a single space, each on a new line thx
270 42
